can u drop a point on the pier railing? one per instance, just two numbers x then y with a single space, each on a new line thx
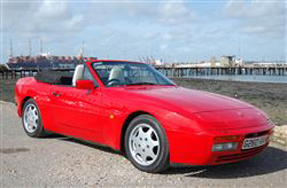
179 72
176 72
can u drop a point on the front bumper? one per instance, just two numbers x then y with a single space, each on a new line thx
196 149
238 156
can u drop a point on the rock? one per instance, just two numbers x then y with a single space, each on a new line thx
280 134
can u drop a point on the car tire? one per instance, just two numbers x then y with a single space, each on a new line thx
31 120
146 144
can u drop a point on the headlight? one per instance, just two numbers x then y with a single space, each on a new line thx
225 146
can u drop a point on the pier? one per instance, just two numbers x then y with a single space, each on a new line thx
181 72
15 74
175 72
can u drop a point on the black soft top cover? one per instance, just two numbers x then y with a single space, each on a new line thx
55 77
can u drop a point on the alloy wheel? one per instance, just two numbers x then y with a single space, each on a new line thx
144 144
31 118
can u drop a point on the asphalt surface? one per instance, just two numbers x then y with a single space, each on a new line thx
65 162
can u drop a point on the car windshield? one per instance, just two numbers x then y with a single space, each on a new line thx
127 73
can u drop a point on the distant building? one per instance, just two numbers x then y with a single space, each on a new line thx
158 63
46 61
213 61
239 62
227 61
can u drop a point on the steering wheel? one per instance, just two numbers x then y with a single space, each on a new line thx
113 82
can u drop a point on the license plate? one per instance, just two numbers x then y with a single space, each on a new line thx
249 143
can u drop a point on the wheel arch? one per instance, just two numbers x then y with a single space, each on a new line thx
23 103
126 124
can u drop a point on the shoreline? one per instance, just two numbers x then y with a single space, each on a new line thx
232 78
269 97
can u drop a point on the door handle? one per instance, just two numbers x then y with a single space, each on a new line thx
55 93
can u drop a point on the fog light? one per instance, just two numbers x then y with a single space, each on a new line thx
225 146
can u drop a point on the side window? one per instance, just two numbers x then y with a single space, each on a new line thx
87 75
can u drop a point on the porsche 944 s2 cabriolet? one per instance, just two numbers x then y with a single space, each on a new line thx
133 108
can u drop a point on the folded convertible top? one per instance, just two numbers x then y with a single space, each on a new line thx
55 77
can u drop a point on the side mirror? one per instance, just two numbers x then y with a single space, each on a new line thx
85 84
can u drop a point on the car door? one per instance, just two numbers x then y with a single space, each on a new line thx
77 112
66 108
91 107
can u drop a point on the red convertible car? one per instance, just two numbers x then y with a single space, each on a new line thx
132 107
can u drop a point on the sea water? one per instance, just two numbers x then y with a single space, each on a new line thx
243 78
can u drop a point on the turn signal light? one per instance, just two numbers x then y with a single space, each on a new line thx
227 138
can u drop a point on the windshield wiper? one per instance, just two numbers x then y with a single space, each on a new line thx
141 83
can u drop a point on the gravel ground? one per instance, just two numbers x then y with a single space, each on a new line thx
65 162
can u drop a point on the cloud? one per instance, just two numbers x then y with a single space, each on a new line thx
53 10
48 16
159 12
175 13
258 17
163 47
181 28
40 17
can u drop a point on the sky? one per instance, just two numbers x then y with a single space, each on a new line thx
171 30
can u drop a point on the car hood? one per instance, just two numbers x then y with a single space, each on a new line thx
191 100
